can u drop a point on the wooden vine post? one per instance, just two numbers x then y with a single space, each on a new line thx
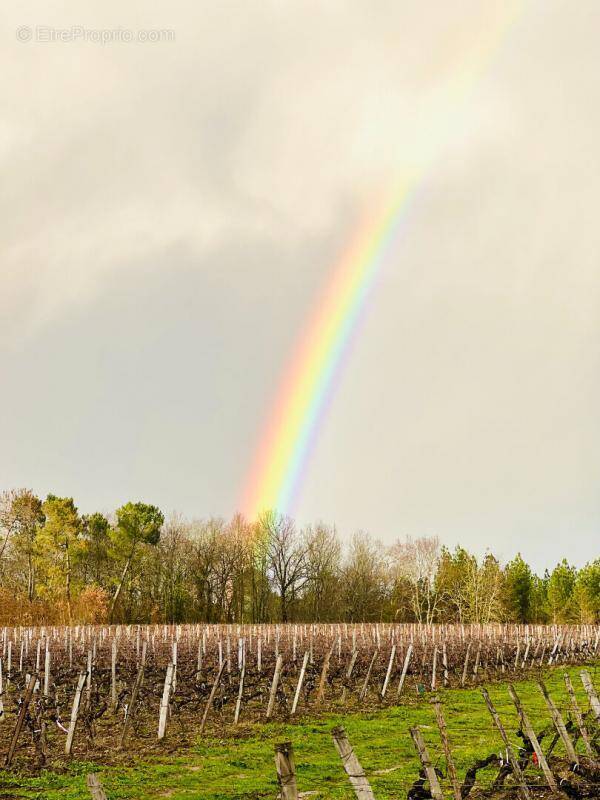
211 696
578 716
389 671
20 719
164 703
274 684
95 787
404 670
238 703
134 696
113 675
531 735
517 772
365 687
591 693
323 678
286 771
300 681
433 669
434 784
349 671
559 724
351 764
466 665
75 713
450 766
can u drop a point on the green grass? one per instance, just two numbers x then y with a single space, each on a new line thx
243 768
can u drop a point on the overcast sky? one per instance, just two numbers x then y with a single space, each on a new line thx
170 210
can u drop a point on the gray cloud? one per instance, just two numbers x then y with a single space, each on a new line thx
168 212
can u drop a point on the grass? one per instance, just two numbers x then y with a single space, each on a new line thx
243 768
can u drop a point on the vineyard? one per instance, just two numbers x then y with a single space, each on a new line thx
95 692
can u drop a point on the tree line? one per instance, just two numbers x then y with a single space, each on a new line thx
60 566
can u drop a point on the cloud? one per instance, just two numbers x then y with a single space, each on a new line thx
168 213
256 119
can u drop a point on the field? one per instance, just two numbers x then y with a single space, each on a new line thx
195 711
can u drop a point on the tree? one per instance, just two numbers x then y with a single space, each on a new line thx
240 537
587 592
287 559
323 556
452 583
21 517
96 536
487 584
7 519
260 586
364 580
561 588
171 569
137 523
204 545
538 606
418 560
470 587
518 586
58 542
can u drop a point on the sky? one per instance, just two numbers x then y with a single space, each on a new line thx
170 212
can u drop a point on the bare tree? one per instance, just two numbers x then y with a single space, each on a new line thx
204 541
365 580
469 588
418 561
323 555
287 559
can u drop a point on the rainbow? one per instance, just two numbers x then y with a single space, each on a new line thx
310 377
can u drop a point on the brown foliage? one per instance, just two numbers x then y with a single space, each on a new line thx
92 605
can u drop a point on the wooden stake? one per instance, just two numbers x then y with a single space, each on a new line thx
95 787
286 771
47 671
477 659
113 675
559 725
75 713
300 681
211 696
591 693
404 670
351 765
451 768
238 705
20 719
466 665
88 682
164 703
134 696
531 735
323 679
274 684
351 664
433 669
579 716
434 784
445 663
517 772
389 671
365 688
